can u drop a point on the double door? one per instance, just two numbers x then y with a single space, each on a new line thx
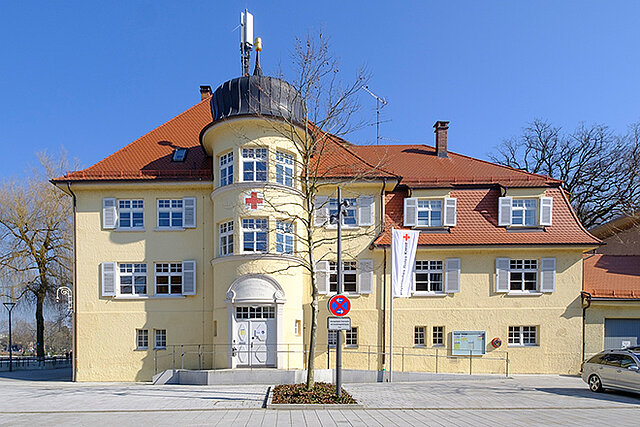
254 340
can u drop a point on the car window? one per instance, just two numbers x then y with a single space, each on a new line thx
596 359
613 359
627 361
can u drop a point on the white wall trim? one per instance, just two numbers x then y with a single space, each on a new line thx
239 186
257 255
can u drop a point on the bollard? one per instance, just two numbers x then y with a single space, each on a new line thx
199 357
181 356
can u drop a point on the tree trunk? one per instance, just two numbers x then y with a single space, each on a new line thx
312 341
40 326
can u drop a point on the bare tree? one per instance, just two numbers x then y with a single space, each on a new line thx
36 232
599 169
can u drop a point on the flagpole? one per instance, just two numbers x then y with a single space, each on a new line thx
391 315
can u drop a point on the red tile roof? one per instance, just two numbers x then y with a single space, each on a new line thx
612 276
420 167
477 222
149 157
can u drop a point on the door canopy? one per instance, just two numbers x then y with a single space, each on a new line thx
255 289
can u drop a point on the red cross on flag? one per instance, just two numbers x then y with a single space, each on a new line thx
253 200
404 244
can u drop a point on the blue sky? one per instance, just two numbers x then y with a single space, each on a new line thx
93 76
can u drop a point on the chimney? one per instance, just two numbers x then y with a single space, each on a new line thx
205 92
441 138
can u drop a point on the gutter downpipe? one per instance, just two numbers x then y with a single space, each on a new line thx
384 276
75 293
586 296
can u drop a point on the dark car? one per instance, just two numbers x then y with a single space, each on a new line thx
615 369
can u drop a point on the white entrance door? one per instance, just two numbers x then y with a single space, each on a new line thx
255 336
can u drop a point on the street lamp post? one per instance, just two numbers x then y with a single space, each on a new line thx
9 306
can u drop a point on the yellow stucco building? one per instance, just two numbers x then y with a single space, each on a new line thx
190 251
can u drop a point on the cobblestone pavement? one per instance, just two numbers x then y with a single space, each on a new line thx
518 401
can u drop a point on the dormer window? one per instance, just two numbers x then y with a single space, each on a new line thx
179 154
525 212
430 213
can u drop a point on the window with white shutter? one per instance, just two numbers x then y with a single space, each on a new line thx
502 274
189 209
109 213
452 275
108 279
410 212
548 275
546 207
365 276
322 276
321 211
504 211
450 207
365 210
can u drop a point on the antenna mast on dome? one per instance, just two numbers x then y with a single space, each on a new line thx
246 40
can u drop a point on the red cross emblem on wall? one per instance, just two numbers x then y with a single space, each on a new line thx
254 200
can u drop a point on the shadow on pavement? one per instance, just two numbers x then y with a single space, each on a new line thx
607 396
59 374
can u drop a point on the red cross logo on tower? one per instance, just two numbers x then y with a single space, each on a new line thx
254 200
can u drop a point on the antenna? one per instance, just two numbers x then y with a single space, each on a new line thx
378 108
246 40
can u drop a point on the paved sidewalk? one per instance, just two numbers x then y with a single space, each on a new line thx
464 401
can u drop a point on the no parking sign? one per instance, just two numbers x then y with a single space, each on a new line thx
339 305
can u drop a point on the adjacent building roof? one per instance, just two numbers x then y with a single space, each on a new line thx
477 222
616 225
612 276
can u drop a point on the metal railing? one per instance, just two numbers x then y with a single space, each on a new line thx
294 356
32 362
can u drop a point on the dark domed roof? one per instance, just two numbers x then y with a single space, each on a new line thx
257 96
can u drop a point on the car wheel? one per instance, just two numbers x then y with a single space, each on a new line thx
595 384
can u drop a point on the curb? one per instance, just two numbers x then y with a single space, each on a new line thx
290 406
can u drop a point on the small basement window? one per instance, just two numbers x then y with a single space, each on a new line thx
179 154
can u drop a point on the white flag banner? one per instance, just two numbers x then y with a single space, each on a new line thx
403 257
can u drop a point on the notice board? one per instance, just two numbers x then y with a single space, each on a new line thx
469 341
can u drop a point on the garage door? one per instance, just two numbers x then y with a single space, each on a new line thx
620 333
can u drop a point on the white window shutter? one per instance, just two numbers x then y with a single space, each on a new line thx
410 212
322 276
365 276
546 206
108 279
504 211
189 277
109 213
548 275
321 211
450 207
502 274
189 212
365 210
452 275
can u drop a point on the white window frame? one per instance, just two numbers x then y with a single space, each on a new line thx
419 336
350 220
351 337
284 168
134 271
254 157
433 267
520 336
437 336
430 209
524 266
142 339
172 268
351 271
251 225
160 339
225 238
285 237
255 312
131 207
175 207
520 205
226 169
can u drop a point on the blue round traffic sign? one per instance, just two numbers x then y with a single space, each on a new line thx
339 305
